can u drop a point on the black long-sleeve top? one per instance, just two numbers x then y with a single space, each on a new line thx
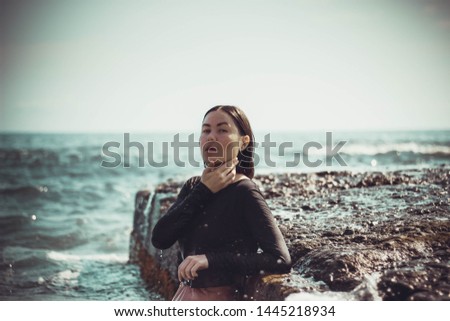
234 228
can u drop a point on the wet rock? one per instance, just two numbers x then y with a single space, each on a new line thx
348 232
342 229
343 268
416 281
359 239
329 234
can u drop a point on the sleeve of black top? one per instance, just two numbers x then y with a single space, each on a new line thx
189 202
275 257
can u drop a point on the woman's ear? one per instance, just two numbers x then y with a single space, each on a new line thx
245 140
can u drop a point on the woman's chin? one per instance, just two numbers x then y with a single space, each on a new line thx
215 161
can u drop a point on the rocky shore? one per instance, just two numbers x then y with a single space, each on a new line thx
352 236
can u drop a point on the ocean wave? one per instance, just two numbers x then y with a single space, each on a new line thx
66 277
31 157
105 258
367 149
39 157
28 191
23 257
424 149
12 222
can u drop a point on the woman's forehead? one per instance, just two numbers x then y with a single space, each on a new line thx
218 117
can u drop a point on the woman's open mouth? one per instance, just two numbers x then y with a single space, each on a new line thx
212 148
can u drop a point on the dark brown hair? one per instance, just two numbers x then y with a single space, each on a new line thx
246 163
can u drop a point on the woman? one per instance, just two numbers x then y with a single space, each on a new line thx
220 218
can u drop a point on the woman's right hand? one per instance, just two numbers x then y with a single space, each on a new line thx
217 178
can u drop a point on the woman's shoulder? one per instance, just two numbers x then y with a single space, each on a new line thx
242 184
248 191
246 184
191 182
189 185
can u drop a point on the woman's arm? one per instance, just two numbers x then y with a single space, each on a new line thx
275 257
190 201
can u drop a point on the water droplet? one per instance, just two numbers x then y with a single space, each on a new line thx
373 162
205 225
261 272
10 266
41 280
33 217
279 261
331 277
245 296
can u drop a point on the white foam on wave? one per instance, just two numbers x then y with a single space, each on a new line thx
68 275
366 290
106 258
366 149
320 296
66 278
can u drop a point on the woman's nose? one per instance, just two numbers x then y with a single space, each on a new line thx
210 136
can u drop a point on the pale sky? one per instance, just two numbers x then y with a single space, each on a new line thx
140 66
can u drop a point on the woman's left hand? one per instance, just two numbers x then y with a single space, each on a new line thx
189 267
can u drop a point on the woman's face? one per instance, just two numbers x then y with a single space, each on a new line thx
220 139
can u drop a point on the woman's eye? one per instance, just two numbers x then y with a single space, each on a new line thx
206 131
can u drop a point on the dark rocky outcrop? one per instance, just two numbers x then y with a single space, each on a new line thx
363 236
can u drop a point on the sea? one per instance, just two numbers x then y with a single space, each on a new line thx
67 199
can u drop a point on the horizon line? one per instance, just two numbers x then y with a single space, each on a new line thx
164 131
